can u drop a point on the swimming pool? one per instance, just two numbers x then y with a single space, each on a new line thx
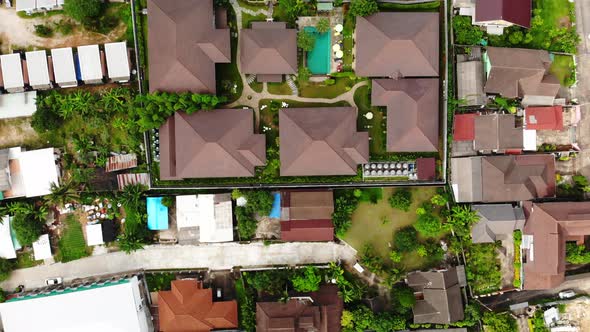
276 206
318 59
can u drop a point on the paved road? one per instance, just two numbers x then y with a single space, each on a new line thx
215 257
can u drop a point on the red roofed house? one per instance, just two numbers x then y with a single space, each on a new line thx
189 307
496 15
426 168
307 215
544 118
464 127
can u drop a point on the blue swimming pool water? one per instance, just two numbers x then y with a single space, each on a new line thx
157 214
318 59
276 207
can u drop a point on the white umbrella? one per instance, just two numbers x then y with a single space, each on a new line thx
338 28
336 47
369 115
339 54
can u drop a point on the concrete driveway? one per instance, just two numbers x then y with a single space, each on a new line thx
215 257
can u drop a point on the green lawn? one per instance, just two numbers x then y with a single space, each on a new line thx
247 19
362 99
348 43
564 69
279 88
72 245
321 90
256 86
245 4
368 227
428 6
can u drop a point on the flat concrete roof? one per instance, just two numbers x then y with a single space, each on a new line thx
63 65
15 105
90 66
37 68
12 71
117 60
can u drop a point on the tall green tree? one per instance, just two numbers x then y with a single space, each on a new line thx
6 268
307 279
61 194
499 322
83 11
26 228
323 25
428 225
363 7
306 40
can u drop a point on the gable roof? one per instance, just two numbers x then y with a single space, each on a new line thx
516 72
513 11
412 113
307 215
205 144
464 127
496 222
397 44
550 225
184 46
189 307
321 141
441 301
497 132
544 118
268 48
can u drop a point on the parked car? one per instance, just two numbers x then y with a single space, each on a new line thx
53 281
567 294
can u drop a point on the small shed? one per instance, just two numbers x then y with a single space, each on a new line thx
12 72
63 67
38 170
42 248
38 70
6 246
94 235
117 62
157 214
426 168
90 66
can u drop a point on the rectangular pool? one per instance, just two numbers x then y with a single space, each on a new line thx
318 59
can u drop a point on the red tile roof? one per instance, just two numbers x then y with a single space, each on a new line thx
544 118
464 127
426 168
307 230
514 11
307 215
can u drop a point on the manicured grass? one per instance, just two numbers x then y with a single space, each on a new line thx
256 86
348 42
362 99
245 4
279 88
25 260
321 90
564 69
294 104
428 6
72 245
368 225
247 19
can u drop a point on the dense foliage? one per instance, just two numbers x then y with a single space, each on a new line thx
27 220
247 306
273 282
461 218
371 260
159 281
577 254
406 239
307 279
499 322
428 225
401 199
465 33
71 244
344 205
83 11
6 268
323 25
136 232
363 319
258 202
370 195
363 7
483 268
306 40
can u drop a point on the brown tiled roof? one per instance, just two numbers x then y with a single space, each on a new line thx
517 178
189 307
268 48
439 296
497 132
207 144
551 225
514 11
307 215
426 169
184 46
321 141
516 72
397 44
412 113
321 315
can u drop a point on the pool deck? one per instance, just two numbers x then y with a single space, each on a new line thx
336 17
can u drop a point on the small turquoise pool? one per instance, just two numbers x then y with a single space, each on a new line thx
318 59
276 207
157 214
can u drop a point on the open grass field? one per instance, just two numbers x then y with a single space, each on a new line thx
368 225
279 88
247 19
564 69
72 245
321 90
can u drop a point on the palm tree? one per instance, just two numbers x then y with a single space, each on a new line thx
62 194
323 25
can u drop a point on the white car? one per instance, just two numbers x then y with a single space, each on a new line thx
566 294
53 281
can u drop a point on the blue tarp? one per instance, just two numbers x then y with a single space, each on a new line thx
276 206
157 214
77 67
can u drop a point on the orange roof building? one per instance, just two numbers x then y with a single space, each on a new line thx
189 307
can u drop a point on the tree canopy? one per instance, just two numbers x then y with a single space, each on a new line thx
406 239
83 10
499 322
305 40
401 199
428 225
323 25
307 279
363 7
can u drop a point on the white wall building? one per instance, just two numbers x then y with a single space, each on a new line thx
117 62
90 65
63 67
12 72
38 70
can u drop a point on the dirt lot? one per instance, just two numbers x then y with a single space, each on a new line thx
16 32
18 132
577 312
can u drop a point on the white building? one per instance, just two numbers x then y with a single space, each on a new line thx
6 245
114 306
16 105
42 248
117 62
90 65
12 72
31 6
211 214
38 70
63 67
28 6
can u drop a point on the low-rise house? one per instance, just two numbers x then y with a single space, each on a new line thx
38 70
426 169
110 306
90 64
495 15
495 179
117 62
27 173
321 141
204 218
307 215
438 296
395 45
496 222
520 73
269 51
555 125
12 72
184 44
412 113
497 133
548 227
319 311
470 79
190 307
210 144
64 69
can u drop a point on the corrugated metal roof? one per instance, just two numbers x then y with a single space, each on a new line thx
122 161
133 178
